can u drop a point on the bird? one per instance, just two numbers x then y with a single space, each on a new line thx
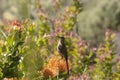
62 50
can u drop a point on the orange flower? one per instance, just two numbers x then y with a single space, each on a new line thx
51 69
49 72
16 25
55 65
62 65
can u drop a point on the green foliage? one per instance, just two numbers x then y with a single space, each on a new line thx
11 55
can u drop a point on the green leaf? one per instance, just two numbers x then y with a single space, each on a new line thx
3 34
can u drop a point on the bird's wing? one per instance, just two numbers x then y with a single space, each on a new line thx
62 50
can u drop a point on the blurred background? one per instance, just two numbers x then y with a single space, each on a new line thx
89 20
95 17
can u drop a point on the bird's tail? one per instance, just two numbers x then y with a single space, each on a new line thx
67 66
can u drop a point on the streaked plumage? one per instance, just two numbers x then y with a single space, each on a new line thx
63 50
